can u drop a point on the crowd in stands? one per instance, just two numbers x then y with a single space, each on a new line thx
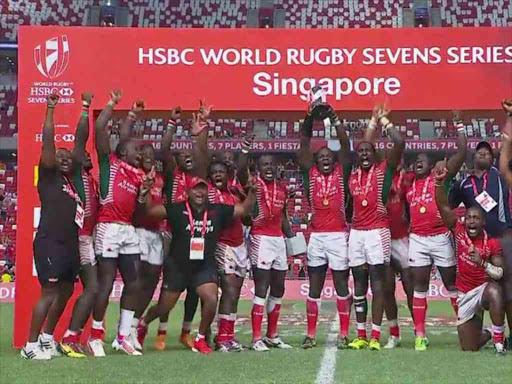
233 13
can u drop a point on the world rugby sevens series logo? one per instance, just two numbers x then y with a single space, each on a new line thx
52 58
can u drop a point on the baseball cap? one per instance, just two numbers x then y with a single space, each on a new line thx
195 181
485 144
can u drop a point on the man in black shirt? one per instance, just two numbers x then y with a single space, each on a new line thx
191 260
56 243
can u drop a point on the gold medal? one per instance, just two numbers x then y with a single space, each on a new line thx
423 209
364 203
326 201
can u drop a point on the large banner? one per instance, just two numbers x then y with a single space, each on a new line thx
240 70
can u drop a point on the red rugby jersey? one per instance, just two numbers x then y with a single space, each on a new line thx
327 200
232 235
119 187
366 188
91 191
469 274
395 207
270 201
425 217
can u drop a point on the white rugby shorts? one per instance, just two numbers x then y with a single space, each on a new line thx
428 250
400 251
470 304
371 247
268 252
86 250
113 239
232 260
329 248
151 246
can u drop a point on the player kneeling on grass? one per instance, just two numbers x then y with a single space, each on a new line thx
479 265
191 260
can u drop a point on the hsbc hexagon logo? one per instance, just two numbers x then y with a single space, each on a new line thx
52 57
66 92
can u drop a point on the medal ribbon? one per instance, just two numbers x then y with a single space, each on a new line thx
475 189
191 221
269 203
325 190
368 180
423 192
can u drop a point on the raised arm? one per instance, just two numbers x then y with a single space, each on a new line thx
165 148
344 153
506 148
455 162
82 129
306 159
48 153
447 214
200 138
125 132
395 155
102 135
245 208
370 134
242 165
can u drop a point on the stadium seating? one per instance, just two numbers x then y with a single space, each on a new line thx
233 13
8 110
8 206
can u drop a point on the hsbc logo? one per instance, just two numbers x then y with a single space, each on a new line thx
52 57
66 92
59 138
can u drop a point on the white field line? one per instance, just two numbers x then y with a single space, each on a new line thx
328 366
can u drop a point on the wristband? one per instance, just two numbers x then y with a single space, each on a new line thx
84 114
384 120
493 271
50 106
142 199
171 124
112 103
388 125
195 139
373 124
85 104
132 115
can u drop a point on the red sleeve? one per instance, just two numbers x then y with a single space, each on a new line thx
495 247
459 227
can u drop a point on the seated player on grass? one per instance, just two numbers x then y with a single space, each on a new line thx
479 267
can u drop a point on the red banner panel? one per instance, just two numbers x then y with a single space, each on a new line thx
240 70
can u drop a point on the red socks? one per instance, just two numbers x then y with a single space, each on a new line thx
257 317
419 309
223 329
273 311
498 333
312 312
394 330
375 332
453 300
344 305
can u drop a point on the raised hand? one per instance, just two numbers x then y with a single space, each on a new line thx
198 124
115 96
138 106
457 115
440 172
52 100
147 182
506 104
176 113
87 98
204 110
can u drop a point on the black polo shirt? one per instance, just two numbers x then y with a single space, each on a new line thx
219 216
498 219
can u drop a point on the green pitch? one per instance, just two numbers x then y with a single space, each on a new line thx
443 363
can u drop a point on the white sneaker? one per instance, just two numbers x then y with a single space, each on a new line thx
500 349
125 346
49 346
134 339
96 347
393 342
276 342
259 346
37 353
